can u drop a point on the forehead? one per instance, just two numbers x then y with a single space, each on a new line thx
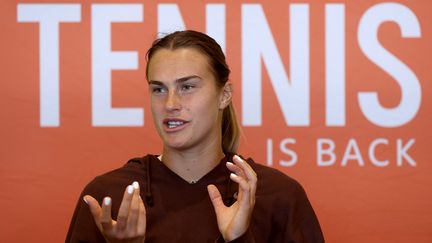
167 64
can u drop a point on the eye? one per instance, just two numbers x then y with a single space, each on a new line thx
187 87
158 90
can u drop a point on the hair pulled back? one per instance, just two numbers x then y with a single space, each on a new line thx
211 49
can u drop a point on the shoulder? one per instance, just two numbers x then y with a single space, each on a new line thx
116 180
271 175
282 201
275 183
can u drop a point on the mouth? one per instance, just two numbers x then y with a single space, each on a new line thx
174 124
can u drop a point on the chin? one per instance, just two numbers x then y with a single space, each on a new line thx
177 144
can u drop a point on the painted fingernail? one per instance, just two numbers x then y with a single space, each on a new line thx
130 189
135 185
107 201
85 200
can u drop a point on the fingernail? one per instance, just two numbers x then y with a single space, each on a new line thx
107 201
236 157
233 175
135 185
229 163
85 200
130 189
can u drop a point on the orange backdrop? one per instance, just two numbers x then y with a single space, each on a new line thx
307 66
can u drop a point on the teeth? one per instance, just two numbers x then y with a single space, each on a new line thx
172 124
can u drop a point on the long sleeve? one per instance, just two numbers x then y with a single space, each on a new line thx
306 227
283 212
82 227
183 212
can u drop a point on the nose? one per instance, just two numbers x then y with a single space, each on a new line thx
173 101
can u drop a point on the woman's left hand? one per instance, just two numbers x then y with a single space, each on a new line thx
233 221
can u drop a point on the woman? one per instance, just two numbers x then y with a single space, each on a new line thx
187 193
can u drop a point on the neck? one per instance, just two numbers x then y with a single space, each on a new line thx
192 165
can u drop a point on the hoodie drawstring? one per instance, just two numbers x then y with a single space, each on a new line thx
148 192
229 197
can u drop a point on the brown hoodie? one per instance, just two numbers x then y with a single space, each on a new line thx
178 211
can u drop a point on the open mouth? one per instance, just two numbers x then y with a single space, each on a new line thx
174 123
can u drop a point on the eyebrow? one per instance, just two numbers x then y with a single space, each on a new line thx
179 80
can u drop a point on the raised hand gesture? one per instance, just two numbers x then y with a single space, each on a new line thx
131 219
233 221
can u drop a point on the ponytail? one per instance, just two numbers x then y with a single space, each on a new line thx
230 130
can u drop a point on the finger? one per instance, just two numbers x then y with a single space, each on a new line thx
236 169
244 190
94 207
215 198
124 208
246 168
134 210
250 175
142 220
105 219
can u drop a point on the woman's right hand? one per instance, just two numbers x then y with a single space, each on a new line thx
131 219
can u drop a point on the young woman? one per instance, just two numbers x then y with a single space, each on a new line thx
197 189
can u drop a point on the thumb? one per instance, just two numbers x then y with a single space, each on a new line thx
215 198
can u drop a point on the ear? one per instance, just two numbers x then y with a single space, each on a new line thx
226 96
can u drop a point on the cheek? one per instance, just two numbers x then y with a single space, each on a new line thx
155 108
155 102
207 109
